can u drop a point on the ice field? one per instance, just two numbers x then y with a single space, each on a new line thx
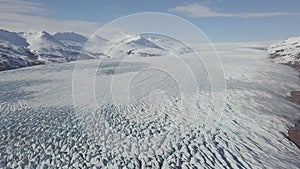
151 112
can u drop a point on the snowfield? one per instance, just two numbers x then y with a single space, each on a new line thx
151 112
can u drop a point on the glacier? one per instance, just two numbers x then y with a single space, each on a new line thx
47 123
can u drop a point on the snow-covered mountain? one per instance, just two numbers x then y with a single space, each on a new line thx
286 52
150 44
125 45
172 45
135 45
60 47
34 48
15 52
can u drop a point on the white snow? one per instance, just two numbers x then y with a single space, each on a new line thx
286 52
155 116
46 48
34 48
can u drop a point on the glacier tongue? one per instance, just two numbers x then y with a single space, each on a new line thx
39 126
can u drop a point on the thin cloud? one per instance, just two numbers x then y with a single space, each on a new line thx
20 6
201 11
20 16
19 23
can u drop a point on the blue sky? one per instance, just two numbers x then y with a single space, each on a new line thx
220 20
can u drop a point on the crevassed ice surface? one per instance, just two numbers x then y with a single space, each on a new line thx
39 127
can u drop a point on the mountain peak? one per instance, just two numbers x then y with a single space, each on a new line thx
12 38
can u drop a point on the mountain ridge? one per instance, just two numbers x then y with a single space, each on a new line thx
21 49
24 49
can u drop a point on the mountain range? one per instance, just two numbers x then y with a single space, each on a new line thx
35 48
24 49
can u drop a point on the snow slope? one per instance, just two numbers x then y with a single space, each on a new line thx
34 48
60 47
154 118
286 52
123 45
14 51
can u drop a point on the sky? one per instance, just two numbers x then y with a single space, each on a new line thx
219 20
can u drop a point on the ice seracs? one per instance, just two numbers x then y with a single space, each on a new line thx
39 127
